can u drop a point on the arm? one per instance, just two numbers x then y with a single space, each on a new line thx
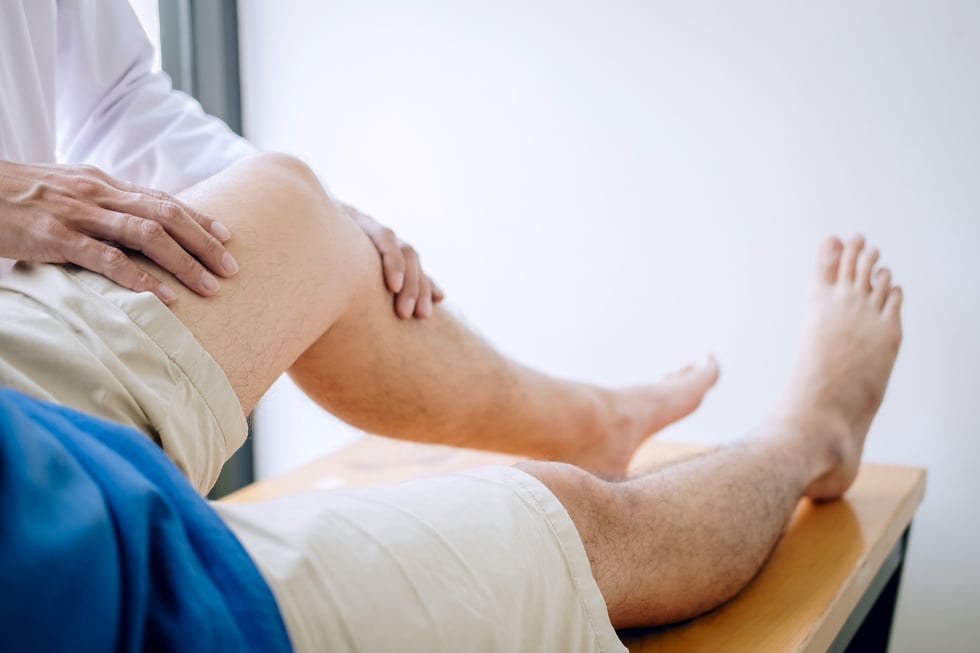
57 213
115 113
112 111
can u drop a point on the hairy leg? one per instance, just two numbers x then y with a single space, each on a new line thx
310 299
681 540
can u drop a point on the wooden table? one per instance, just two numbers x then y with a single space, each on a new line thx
830 585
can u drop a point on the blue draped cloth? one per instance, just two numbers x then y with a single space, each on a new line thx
105 546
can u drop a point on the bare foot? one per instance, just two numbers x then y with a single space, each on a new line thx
635 413
852 334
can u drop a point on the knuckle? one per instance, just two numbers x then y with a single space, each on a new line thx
83 248
113 258
170 212
84 186
393 265
212 246
39 190
150 230
393 260
50 226
86 170
185 266
144 281
151 193
66 206
127 227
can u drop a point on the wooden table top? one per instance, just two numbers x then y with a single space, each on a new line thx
798 602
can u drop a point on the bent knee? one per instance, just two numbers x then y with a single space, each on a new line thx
298 218
304 203
291 167
292 184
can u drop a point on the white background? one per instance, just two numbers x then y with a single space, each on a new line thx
610 189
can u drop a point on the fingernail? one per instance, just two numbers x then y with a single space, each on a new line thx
210 282
410 307
229 263
167 293
398 280
220 231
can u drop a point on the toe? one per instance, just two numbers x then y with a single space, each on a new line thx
701 375
681 392
708 371
828 259
893 303
848 259
882 284
865 266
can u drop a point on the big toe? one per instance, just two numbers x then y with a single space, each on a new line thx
686 388
828 259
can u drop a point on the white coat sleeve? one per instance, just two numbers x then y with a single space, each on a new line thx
114 112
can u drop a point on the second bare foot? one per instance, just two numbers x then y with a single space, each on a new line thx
633 414
852 335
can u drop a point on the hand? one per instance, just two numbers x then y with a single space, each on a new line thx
415 292
81 215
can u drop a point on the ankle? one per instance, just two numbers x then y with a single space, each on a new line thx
591 419
595 415
813 442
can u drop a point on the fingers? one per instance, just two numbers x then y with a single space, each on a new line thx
184 226
418 292
392 259
423 307
437 293
206 222
405 301
181 223
415 293
113 263
83 205
387 244
152 239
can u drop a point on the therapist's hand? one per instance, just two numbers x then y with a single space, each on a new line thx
81 215
415 292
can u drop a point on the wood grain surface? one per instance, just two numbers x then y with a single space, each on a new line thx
798 602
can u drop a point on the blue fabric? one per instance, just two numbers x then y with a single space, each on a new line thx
105 546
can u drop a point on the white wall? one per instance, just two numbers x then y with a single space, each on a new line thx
609 189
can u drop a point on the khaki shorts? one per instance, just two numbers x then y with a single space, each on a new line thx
485 560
